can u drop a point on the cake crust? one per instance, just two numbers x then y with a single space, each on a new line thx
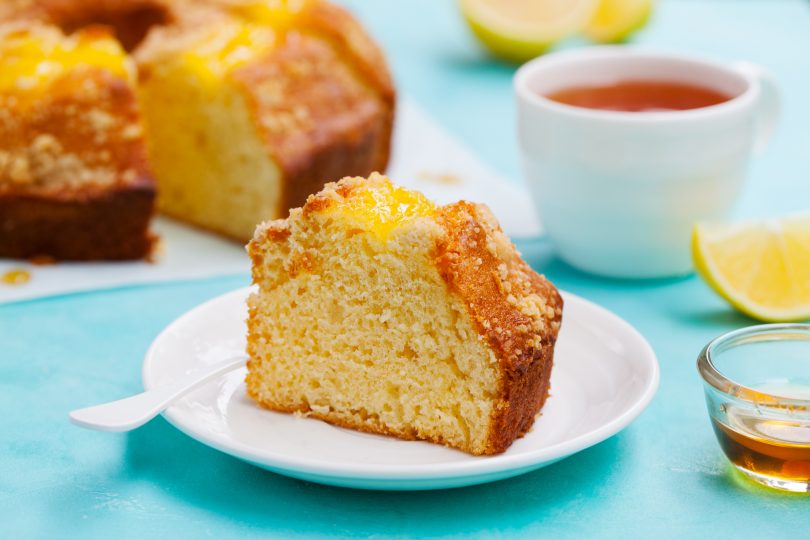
110 225
317 118
129 20
323 100
517 310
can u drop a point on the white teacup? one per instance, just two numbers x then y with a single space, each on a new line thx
619 192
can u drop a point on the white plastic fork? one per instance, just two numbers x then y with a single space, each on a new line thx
133 412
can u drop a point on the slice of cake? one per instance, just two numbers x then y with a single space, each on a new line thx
251 105
379 311
74 183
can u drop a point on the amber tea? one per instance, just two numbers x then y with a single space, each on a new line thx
640 96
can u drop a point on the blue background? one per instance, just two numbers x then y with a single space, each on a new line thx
664 476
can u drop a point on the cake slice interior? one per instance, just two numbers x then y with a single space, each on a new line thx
355 322
203 143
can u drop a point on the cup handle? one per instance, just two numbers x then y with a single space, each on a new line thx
769 102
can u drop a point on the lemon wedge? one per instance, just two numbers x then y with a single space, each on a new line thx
615 20
518 30
761 267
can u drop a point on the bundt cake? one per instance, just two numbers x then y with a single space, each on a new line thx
379 311
247 106
74 180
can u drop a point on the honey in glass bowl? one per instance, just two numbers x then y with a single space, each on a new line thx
770 447
757 384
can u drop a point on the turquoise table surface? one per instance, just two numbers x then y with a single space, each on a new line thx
662 477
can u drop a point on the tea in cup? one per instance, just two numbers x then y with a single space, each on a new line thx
624 150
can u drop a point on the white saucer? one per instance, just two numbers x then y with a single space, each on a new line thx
604 374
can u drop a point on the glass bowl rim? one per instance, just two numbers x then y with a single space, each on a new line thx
712 376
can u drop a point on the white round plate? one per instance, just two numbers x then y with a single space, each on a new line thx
604 374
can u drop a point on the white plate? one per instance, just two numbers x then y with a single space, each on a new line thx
604 374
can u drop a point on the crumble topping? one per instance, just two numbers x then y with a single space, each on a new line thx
44 163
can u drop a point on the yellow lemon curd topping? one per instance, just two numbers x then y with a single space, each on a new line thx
30 60
220 50
276 13
384 208
254 29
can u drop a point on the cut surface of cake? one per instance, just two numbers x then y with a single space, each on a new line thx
74 180
379 311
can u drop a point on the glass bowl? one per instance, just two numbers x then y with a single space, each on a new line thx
757 384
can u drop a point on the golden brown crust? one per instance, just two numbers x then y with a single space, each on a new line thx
113 225
353 43
129 20
317 203
361 53
515 309
319 121
273 231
